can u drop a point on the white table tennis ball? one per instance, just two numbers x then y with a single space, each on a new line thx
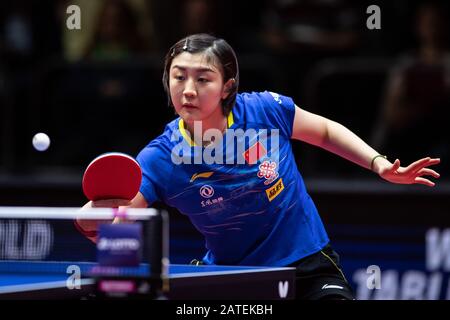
41 141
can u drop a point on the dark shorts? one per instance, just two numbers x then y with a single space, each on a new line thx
319 276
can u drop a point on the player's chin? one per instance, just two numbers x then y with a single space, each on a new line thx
190 115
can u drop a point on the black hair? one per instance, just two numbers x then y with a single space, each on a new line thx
216 50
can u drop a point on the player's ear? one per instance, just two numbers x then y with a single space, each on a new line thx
228 87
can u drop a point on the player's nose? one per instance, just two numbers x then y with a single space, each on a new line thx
189 89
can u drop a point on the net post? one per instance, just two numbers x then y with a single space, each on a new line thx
157 252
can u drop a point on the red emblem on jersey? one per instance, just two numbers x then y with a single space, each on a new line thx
268 170
254 153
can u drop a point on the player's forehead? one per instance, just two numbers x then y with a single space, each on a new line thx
196 62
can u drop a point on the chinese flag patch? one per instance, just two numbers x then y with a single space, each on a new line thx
254 153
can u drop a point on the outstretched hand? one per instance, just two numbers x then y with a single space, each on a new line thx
414 173
110 203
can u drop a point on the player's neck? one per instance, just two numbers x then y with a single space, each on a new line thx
197 129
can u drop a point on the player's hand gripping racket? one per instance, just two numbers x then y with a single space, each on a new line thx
112 176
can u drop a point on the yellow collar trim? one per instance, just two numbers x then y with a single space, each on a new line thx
186 135
230 119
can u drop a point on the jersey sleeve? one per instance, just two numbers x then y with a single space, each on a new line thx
275 110
148 159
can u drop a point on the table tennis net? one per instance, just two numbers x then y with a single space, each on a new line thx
45 240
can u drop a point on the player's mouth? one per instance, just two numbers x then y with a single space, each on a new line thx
189 106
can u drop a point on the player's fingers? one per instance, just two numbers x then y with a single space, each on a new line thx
425 162
117 220
110 203
417 165
424 181
428 172
121 203
396 165
434 161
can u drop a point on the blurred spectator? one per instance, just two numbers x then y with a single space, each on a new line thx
178 18
17 37
29 32
110 29
414 116
116 35
199 16
311 25
299 33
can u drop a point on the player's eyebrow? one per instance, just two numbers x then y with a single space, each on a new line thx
199 70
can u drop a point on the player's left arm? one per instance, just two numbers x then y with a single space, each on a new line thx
334 137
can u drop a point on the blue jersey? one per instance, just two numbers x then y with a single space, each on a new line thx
252 207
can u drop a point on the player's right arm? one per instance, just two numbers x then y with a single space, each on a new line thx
89 227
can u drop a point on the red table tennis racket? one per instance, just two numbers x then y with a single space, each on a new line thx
112 175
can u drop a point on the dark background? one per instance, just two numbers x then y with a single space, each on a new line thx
92 97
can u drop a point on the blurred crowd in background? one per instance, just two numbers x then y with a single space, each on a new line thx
99 89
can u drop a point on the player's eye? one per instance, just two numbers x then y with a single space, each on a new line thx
179 77
202 79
